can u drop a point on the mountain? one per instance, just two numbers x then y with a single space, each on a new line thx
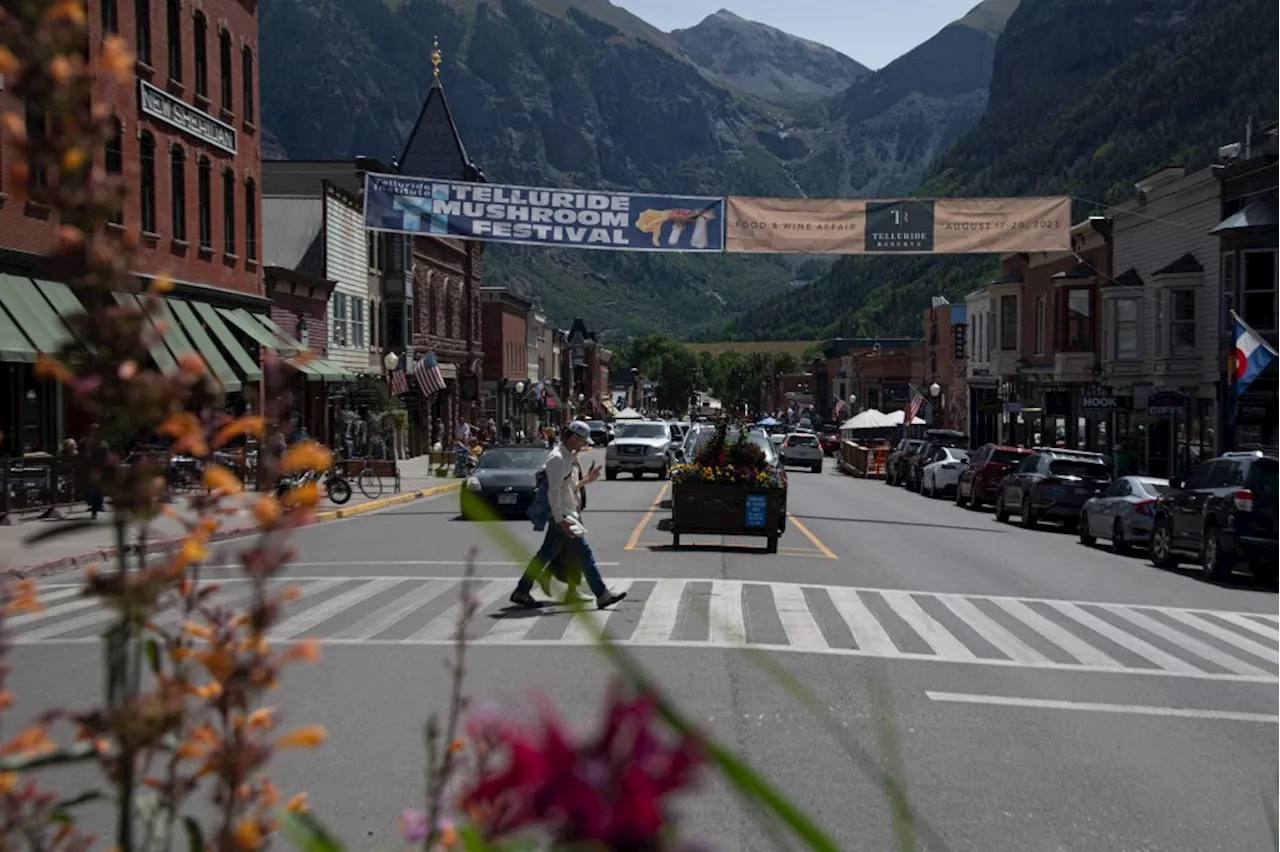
583 93
1087 97
766 62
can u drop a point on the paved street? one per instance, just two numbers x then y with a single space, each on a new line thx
1047 696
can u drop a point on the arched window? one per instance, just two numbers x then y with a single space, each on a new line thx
224 62
110 17
173 25
113 158
178 190
147 181
204 189
246 81
142 30
250 219
200 47
447 287
228 211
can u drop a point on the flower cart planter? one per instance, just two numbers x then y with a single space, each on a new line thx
708 508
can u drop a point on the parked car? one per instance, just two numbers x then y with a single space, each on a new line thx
505 478
638 447
895 469
802 449
601 434
1224 514
830 440
1123 513
1051 484
982 475
941 475
936 440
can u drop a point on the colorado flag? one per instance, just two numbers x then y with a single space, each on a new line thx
1252 355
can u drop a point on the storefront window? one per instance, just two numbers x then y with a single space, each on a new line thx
1079 325
1009 323
1126 329
1182 322
1259 289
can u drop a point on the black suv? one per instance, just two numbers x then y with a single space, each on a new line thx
1224 513
1051 484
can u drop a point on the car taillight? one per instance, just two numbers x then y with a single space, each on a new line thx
1244 500
1146 507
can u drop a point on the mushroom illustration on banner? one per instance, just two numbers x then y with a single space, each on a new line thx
651 222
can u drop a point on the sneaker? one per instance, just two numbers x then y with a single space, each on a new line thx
524 600
608 599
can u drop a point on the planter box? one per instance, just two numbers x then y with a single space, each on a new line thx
708 508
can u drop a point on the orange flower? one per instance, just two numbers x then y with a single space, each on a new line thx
191 364
30 742
247 835
8 780
51 368
307 651
23 598
185 429
191 750
116 59
219 478
289 594
193 550
70 11
160 284
297 804
60 70
250 425
209 691
269 792
306 455
262 718
198 630
266 510
449 837
6 699
8 62
308 736
11 121
219 663
456 746
73 160
304 496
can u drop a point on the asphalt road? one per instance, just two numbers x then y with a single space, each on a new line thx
1046 696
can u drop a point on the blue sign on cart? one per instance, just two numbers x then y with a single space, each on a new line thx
757 506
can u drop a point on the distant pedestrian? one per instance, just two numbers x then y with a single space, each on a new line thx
566 538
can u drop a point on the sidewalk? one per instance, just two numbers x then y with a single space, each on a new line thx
97 543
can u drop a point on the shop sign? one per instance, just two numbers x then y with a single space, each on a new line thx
1167 404
958 331
1100 401
161 105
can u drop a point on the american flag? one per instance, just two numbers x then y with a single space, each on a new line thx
838 410
398 381
427 374
913 407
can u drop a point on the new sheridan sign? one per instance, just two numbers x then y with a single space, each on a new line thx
161 105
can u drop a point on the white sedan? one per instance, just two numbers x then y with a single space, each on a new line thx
802 448
943 475
1123 513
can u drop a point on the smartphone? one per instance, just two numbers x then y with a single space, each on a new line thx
593 464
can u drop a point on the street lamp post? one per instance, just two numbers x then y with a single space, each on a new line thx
520 404
853 402
935 391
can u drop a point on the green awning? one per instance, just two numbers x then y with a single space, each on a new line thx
204 344
246 364
38 327
14 345
333 372
64 301
160 353
289 341
255 331
316 369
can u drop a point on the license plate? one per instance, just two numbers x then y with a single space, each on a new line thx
506 499
630 464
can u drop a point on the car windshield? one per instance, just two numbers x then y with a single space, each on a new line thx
1155 488
958 455
530 459
1007 456
1082 469
802 441
641 430
596 425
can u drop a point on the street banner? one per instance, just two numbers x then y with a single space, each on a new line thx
625 221
901 226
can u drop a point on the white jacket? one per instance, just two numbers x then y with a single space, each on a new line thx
562 485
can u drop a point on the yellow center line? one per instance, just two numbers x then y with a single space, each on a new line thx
633 542
817 542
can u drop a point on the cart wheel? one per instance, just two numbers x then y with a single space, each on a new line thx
675 540
772 546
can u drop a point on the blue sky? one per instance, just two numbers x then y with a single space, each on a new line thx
873 32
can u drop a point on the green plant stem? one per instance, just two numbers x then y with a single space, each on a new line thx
119 694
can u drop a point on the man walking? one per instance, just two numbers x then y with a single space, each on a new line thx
566 538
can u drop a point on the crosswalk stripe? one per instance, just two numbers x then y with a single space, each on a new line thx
986 627
311 616
1238 640
728 624
662 610
445 625
1182 640
867 631
1057 634
577 632
51 612
1125 640
49 596
802 628
942 641
384 618
1247 623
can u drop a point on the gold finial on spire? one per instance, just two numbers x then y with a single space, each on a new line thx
435 59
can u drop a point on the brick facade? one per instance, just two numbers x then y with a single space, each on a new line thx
235 266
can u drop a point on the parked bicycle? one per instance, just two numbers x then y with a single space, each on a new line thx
335 485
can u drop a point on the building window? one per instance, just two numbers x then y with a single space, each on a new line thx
110 17
250 219
204 189
340 319
224 62
1040 326
1125 322
113 159
228 211
142 22
1078 325
173 15
1009 323
37 129
200 45
246 81
147 182
1182 322
357 323
1258 288
178 190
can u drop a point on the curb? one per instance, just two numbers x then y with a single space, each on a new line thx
172 543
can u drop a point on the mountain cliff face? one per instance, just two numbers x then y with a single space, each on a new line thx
766 62
1087 97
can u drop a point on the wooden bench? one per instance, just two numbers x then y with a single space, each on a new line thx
382 468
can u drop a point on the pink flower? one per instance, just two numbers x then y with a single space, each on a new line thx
413 826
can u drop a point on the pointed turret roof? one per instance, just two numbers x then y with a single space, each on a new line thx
434 148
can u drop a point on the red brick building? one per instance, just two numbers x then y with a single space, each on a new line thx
945 364
585 368
504 329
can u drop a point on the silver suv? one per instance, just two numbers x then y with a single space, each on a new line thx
639 447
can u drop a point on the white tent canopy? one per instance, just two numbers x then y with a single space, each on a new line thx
869 419
630 413
895 419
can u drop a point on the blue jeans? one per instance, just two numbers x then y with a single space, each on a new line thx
568 551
